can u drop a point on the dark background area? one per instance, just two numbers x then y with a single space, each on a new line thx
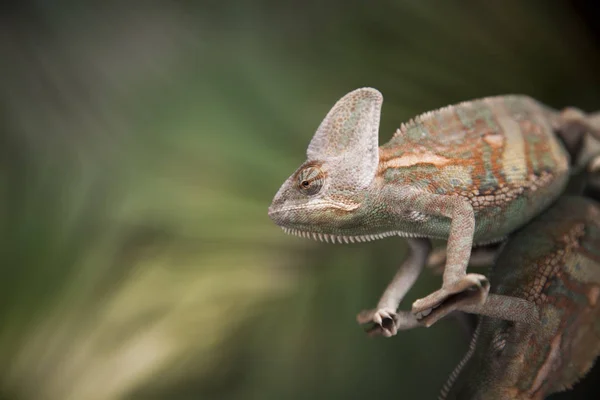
141 144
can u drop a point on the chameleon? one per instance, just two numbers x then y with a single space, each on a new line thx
553 264
469 173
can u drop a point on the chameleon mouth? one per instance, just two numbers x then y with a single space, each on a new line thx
325 237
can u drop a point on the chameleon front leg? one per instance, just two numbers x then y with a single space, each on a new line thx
472 288
385 318
482 256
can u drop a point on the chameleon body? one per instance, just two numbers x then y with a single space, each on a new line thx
554 263
469 173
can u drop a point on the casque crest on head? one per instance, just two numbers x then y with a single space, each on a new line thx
347 139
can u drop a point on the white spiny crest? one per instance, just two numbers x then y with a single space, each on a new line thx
348 137
324 237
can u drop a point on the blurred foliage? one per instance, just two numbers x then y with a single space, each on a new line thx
141 144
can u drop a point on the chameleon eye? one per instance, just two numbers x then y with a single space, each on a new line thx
310 180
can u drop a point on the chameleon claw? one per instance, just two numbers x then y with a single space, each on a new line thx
386 322
383 321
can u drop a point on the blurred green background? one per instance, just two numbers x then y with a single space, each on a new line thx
141 144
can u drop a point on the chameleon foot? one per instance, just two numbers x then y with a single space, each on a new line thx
386 322
469 290
383 320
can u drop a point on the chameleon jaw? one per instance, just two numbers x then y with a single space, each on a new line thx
324 237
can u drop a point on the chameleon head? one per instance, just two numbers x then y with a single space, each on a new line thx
324 196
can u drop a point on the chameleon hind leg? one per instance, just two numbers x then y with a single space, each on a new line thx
385 318
580 133
457 286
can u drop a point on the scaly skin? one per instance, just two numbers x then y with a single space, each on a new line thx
554 263
469 173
